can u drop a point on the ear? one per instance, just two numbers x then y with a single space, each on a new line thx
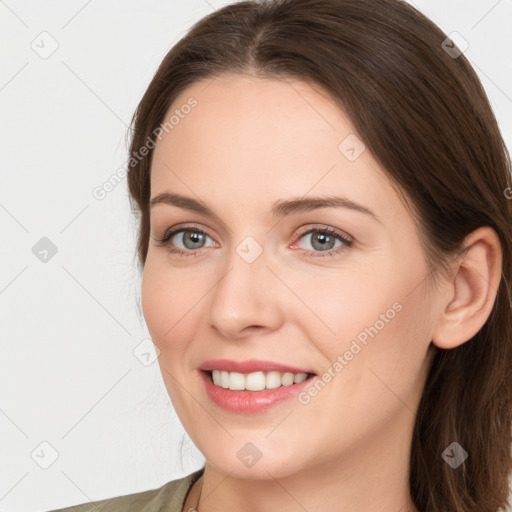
472 291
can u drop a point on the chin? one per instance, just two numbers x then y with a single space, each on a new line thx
255 461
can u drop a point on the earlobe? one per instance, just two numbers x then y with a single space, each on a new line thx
471 294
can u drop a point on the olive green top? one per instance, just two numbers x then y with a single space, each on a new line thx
170 497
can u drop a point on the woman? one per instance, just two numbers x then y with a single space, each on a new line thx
326 254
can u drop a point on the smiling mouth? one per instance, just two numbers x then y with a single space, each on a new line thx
255 381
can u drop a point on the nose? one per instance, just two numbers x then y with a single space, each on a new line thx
246 299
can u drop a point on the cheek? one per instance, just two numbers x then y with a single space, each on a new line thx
345 305
167 300
377 320
155 300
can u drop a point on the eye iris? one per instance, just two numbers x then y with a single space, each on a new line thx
326 241
194 237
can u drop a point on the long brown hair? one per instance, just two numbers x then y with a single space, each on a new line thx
421 110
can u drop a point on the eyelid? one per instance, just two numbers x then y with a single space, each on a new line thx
324 228
177 228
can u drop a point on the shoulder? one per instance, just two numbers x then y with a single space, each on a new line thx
169 498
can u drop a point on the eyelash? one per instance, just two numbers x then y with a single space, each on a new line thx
165 239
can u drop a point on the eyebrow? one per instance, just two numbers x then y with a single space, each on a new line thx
280 208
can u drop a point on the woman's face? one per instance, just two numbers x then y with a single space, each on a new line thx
267 282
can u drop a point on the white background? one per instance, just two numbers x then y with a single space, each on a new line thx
69 326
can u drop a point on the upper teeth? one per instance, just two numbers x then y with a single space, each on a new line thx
255 381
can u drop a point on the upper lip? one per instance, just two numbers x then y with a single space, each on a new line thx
249 366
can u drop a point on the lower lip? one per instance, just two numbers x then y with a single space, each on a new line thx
250 401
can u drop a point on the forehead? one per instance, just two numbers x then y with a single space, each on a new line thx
261 140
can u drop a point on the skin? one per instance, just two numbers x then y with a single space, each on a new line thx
248 143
